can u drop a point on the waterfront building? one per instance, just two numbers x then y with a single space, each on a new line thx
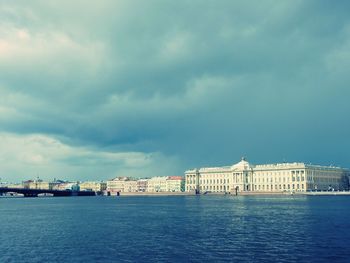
142 185
121 185
130 186
55 184
35 184
279 177
13 185
93 186
115 185
157 184
63 186
173 183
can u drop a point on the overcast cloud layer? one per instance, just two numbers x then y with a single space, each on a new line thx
90 90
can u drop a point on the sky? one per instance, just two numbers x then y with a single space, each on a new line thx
91 90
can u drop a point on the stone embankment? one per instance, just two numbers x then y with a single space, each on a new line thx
156 194
238 194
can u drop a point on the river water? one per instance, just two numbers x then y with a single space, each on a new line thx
175 229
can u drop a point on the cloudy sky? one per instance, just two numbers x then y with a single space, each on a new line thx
90 90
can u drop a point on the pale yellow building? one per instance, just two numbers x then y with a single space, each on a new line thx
35 184
280 177
121 185
174 183
66 186
142 185
157 184
93 186
130 186
11 185
115 186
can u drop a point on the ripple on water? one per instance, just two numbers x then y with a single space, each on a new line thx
175 229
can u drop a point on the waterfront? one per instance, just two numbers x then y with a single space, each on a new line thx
175 229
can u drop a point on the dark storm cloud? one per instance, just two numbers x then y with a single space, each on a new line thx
202 82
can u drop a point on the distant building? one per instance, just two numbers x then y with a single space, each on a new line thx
279 177
142 185
157 184
67 186
55 185
115 186
121 185
11 185
174 183
130 186
93 186
35 184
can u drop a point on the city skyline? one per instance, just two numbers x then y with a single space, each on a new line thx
99 89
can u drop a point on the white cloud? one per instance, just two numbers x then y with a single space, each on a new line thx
167 78
23 156
53 52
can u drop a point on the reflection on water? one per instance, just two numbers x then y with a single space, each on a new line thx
175 229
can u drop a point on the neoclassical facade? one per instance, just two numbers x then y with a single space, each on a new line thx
280 177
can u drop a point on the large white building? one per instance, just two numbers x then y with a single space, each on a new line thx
279 177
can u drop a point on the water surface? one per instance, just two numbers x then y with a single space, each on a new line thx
175 229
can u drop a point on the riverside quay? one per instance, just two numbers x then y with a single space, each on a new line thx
280 177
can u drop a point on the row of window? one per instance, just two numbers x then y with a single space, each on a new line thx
256 187
213 188
213 181
272 173
267 180
326 180
279 187
278 180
